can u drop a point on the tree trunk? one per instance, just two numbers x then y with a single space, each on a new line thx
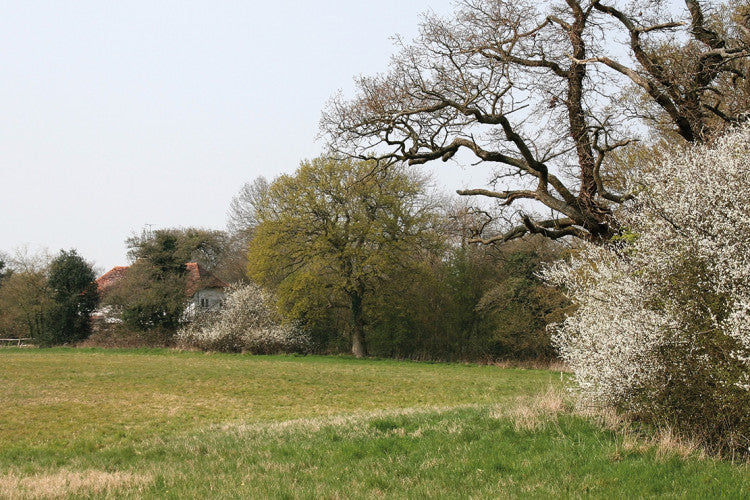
359 347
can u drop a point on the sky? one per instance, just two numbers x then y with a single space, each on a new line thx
117 116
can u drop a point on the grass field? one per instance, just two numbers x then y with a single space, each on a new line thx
164 424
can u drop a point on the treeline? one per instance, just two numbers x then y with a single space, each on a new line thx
370 260
478 304
345 254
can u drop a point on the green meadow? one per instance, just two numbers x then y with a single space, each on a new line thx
77 423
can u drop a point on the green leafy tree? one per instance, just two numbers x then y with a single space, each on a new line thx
73 289
475 303
149 298
329 235
519 305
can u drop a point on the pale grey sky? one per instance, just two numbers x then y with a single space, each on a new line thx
114 115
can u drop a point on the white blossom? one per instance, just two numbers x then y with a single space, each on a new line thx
246 323
672 300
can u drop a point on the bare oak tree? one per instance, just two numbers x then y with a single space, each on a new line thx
546 94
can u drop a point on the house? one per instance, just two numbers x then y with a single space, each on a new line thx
205 292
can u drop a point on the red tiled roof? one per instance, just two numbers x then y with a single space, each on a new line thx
110 278
198 279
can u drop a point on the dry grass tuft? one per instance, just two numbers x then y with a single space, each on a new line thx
669 444
64 483
352 422
606 418
531 413
554 365
664 441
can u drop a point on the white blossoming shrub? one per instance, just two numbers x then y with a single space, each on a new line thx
245 324
662 328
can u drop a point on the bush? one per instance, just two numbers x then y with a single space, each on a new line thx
662 329
247 324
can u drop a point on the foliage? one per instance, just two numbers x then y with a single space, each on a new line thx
521 305
545 94
662 328
475 304
73 289
331 233
48 300
246 324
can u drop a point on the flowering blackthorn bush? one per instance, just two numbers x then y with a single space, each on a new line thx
245 324
662 326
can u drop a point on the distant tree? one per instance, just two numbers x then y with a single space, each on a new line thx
5 272
151 298
546 93
473 303
25 305
519 305
241 224
331 233
242 215
25 298
73 290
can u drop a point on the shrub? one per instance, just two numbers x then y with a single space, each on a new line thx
662 328
247 323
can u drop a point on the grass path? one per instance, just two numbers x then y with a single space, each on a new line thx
162 424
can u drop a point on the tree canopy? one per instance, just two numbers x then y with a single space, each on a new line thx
328 234
546 94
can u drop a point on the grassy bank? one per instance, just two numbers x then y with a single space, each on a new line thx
161 424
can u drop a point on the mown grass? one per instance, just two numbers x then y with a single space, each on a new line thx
162 424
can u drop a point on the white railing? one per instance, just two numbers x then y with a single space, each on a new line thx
11 341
